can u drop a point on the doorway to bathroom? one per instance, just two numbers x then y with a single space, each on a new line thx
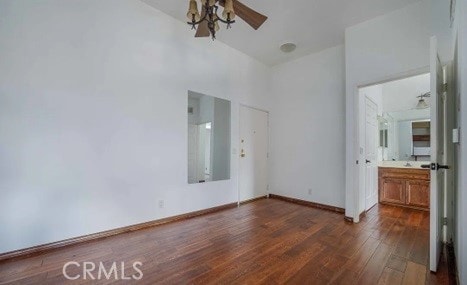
414 154
396 142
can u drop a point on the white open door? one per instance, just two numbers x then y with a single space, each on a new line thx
371 165
438 158
253 179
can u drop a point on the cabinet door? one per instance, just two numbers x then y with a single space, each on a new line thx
418 193
392 190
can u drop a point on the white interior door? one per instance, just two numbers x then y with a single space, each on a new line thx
438 157
371 167
253 153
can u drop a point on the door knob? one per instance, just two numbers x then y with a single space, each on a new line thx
367 161
434 166
242 153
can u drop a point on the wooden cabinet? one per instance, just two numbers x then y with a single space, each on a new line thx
417 193
392 190
405 187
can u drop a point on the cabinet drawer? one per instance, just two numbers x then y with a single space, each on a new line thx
403 173
397 175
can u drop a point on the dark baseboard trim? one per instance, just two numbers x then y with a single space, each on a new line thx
253 200
308 203
40 249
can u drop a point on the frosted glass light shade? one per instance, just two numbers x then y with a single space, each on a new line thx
421 104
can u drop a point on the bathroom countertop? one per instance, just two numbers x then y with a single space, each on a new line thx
402 164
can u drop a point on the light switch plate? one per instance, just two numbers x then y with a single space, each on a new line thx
455 135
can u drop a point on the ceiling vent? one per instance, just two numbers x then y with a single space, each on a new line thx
288 47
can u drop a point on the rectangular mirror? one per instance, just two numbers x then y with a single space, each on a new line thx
404 135
208 138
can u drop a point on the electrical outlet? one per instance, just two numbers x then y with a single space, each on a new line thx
309 191
161 204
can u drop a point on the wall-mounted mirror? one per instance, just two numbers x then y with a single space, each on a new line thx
402 137
383 138
208 138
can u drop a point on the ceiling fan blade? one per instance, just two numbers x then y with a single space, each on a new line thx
202 30
253 18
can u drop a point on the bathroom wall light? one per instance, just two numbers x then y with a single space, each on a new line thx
422 104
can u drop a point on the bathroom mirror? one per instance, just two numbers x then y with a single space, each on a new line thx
399 141
208 138
383 144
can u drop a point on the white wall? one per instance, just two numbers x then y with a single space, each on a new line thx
93 116
307 133
388 47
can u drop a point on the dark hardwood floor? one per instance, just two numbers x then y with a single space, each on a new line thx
268 241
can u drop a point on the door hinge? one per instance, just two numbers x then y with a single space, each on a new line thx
445 221
445 87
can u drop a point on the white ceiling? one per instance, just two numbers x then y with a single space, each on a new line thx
313 25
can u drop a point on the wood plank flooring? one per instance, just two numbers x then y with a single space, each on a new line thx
268 241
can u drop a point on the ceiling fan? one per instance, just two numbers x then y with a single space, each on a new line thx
207 23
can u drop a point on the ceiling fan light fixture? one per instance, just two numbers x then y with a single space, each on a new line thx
208 2
193 13
288 47
228 13
206 20
216 24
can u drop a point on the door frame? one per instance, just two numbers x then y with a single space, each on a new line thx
356 171
240 105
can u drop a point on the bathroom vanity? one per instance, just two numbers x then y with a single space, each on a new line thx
407 186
